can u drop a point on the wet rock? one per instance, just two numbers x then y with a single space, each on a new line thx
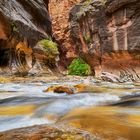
110 77
60 89
88 88
125 76
63 90
129 101
80 87
75 89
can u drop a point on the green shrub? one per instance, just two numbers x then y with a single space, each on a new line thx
49 47
79 67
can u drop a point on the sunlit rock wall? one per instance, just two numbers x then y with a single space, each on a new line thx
107 35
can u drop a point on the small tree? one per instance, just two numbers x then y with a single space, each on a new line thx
79 67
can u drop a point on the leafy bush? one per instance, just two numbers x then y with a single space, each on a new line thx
50 47
79 67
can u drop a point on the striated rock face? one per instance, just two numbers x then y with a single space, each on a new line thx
59 11
22 24
107 35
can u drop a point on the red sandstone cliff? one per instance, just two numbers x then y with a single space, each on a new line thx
105 33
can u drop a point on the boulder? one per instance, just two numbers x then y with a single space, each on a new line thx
110 77
42 132
75 89
60 89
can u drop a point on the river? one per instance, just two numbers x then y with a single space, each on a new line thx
112 111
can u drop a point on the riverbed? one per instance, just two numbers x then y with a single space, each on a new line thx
111 112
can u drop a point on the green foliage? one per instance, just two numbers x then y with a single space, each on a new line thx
79 67
50 47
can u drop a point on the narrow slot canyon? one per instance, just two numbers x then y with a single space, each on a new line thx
69 69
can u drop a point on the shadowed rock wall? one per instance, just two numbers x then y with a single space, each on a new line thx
22 24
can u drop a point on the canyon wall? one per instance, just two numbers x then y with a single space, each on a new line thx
59 12
22 24
107 35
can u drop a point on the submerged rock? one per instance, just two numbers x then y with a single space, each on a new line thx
75 89
60 89
109 122
88 88
129 100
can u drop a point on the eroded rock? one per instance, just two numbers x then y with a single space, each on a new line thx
106 35
110 77
22 25
75 89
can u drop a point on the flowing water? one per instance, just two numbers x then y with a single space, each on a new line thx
112 111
